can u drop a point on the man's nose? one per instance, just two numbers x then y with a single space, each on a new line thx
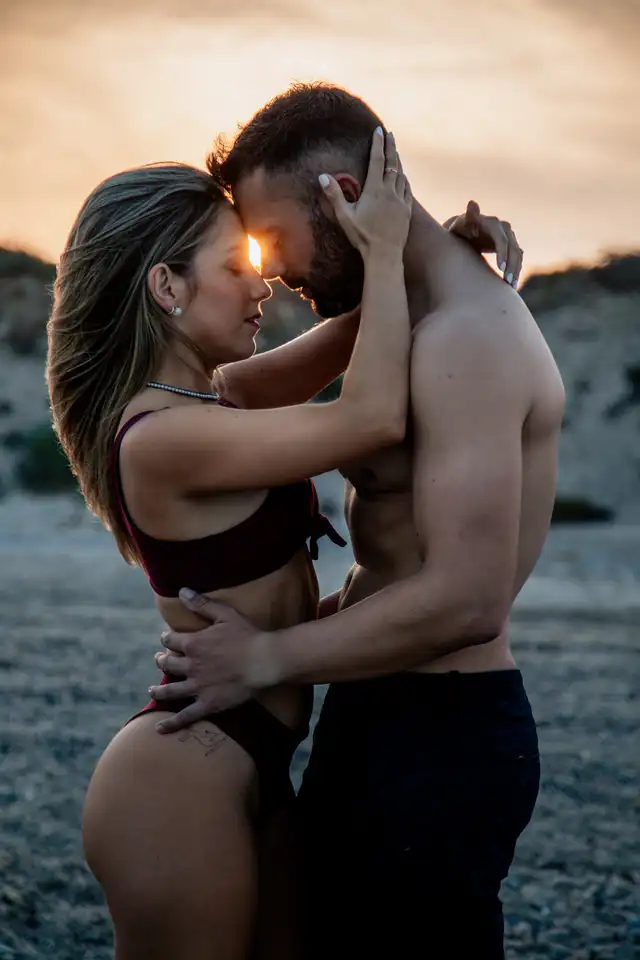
271 267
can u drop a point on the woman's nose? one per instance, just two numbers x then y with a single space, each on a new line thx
262 290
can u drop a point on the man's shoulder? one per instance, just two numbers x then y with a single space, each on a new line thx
458 331
468 358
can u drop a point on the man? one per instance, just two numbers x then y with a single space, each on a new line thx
425 766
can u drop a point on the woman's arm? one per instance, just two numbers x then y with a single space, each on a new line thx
198 448
295 371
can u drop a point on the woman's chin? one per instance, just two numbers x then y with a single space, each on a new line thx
246 348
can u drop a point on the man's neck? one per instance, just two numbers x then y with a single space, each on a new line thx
427 246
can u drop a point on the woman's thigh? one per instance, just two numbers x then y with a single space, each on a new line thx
168 833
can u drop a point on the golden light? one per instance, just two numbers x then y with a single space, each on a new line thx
254 253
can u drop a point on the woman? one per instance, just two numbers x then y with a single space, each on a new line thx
156 308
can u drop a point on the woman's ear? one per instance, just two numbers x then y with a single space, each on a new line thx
166 288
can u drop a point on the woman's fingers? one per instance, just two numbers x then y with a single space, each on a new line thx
513 265
336 198
407 194
391 162
492 227
375 172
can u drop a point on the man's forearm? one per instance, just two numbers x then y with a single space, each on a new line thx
408 623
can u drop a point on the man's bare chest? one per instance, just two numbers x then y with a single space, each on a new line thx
379 514
388 472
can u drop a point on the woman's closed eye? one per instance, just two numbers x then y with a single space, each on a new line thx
239 268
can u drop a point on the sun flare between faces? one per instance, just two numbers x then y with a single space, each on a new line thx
254 253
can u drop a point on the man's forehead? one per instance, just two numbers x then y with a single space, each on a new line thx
263 199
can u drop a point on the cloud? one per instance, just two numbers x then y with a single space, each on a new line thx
529 105
32 14
617 21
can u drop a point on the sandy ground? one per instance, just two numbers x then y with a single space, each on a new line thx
78 635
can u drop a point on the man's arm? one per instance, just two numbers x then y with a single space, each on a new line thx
469 405
468 414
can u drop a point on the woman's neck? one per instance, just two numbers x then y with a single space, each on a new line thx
181 368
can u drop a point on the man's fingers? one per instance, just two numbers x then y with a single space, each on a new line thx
192 599
205 607
196 602
176 666
177 642
180 690
195 711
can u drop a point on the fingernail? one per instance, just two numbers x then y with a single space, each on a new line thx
509 278
160 727
150 691
379 131
324 180
187 593
515 284
502 264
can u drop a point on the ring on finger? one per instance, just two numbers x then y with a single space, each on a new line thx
391 170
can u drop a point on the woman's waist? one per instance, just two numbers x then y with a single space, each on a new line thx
278 600
281 599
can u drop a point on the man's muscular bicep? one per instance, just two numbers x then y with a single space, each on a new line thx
468 411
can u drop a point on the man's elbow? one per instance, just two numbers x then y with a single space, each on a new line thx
484 628
478 616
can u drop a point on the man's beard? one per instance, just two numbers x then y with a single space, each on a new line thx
336 276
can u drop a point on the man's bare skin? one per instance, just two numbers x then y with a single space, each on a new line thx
447 528
380 496
425 767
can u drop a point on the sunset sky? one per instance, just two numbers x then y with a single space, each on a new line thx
531 107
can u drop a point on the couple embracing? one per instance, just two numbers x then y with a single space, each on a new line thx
196 453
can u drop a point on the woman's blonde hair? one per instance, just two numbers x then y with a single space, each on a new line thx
107 335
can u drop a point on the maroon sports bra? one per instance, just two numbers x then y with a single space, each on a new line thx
264 542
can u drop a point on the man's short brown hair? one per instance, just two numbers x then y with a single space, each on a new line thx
307 120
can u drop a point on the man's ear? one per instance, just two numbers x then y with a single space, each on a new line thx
350 187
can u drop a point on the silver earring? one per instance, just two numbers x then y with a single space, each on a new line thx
175 312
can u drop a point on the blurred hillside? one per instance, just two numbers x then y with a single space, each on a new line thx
590 317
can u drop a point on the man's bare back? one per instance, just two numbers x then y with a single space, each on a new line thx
380 491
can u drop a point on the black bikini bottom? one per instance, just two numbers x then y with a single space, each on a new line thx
269 742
